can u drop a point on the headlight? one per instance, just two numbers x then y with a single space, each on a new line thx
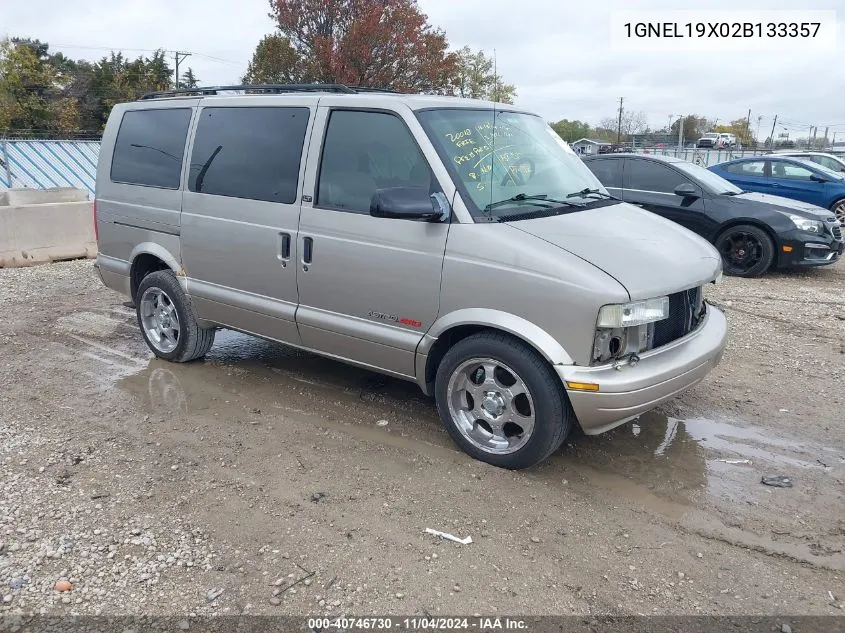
805 224
634 313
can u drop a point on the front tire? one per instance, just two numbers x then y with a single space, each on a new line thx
746 250
167 319
501 402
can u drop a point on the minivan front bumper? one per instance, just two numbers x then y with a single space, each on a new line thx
659 375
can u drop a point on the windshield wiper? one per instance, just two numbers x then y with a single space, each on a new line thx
521 197
732 193
589 192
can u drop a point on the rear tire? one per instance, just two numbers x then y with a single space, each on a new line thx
520 414
746 250
167 320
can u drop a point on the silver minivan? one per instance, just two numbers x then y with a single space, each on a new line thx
459 244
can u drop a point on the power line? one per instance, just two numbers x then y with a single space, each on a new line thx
144 50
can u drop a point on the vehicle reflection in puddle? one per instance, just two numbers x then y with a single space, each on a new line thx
656 455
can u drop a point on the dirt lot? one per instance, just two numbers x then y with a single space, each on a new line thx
264 480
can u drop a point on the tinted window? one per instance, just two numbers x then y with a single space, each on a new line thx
751 168
249 153
365 151
150 146
790 171
608 171
706 178
652 176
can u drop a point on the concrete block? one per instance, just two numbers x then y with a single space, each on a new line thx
40 233
21 197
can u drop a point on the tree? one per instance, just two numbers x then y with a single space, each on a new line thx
31 90
694 127
275 61
475 79
632 123
738 128
572 131
189 80
375 43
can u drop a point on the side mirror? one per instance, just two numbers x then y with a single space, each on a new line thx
686 190
817 178
409 203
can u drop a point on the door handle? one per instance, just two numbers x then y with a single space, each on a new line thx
284 248
774 184
307 250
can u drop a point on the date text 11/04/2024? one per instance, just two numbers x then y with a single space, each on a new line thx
482 624
721 29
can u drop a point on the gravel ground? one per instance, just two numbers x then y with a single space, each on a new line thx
265 480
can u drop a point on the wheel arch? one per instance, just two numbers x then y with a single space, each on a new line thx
148 257
456 326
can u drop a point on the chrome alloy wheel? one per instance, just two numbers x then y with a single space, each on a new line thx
491 405
159 319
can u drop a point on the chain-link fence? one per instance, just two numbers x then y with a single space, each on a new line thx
701 156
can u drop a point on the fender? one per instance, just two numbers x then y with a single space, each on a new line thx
152 248
535 336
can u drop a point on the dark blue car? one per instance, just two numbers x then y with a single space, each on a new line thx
794 178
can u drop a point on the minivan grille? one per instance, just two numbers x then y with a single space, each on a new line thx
686 308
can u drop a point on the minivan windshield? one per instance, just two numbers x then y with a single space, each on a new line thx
507 163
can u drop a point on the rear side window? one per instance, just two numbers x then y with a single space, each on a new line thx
150 146
251 153
608 171
750 168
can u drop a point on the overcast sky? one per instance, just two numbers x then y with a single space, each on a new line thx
558 54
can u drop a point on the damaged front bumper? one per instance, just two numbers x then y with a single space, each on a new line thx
626 391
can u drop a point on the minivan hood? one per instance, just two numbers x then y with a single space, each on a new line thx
786 205
649 255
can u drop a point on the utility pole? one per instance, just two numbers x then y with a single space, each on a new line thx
680 135
809 138
619 125
748 127
833 140
179 56
825 137
773 131
757 136
813 141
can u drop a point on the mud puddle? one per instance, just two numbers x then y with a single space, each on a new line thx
677 459
701 473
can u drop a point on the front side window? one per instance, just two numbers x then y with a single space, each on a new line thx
647 175
711 181
608 170
251 153
503 161
790 171
364 152
149 147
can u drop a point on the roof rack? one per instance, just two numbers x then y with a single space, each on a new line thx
262 89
